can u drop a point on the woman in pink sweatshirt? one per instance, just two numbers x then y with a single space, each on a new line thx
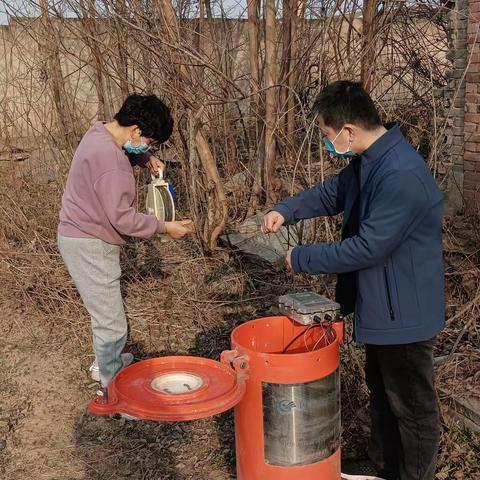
98 215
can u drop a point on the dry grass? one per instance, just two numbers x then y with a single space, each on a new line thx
180 301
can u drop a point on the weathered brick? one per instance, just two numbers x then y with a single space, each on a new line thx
472 137
471 88
472 157
451 84
472 178
471 128
472 46
468 194
474 7
472 98
457 112
471 108
472 118
470 147
472 181
456 150
474 58
473 78
459 102
469 166
472 204
471 185
472 28
469 182
474 68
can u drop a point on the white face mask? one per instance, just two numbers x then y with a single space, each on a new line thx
329 145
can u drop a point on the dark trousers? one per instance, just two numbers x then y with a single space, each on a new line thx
404 410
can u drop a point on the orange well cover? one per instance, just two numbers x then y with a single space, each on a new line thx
172 389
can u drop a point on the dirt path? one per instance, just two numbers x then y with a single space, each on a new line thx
44 389
42 396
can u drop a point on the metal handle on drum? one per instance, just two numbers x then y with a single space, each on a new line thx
238 362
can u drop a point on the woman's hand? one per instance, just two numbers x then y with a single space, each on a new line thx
155 166
179 229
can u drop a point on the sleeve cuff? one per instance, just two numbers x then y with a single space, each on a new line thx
139 159
285 212
161 228
296 260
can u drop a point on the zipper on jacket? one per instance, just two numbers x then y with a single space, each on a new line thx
390 306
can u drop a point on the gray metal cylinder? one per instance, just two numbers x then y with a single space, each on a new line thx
301 421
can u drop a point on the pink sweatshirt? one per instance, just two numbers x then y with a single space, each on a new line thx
99 197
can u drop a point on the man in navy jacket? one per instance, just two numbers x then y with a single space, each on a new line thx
390 267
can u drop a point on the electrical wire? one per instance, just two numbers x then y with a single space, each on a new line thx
328 335
303 332
305 339
320 339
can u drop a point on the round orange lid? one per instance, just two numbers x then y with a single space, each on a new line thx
172 389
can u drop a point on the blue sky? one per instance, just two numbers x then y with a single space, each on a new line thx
235 8
3 16
231 8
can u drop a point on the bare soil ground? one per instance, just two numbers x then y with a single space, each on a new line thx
49 436
178 302
46 387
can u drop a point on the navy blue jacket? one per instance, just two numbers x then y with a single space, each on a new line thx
397 253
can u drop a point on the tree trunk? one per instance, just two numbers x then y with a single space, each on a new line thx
298 12
50 50
121 60
270 99
217 203
257 151
291 12
285 64
368 43
91 34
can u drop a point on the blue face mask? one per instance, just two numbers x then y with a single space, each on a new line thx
329 145
141 148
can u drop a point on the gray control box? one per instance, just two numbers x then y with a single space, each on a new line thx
304 307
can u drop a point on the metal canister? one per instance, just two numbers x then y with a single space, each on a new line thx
288 423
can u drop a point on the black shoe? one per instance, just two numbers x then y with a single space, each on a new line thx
361 470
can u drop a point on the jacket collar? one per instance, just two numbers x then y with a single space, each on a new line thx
387 141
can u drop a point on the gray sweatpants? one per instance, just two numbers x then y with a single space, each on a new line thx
95 268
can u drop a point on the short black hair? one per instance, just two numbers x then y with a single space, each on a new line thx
149 113
344 102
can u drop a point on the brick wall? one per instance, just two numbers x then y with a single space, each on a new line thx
471 156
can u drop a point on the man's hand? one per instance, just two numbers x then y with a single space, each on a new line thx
178 230
272 222
154 165
288 261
